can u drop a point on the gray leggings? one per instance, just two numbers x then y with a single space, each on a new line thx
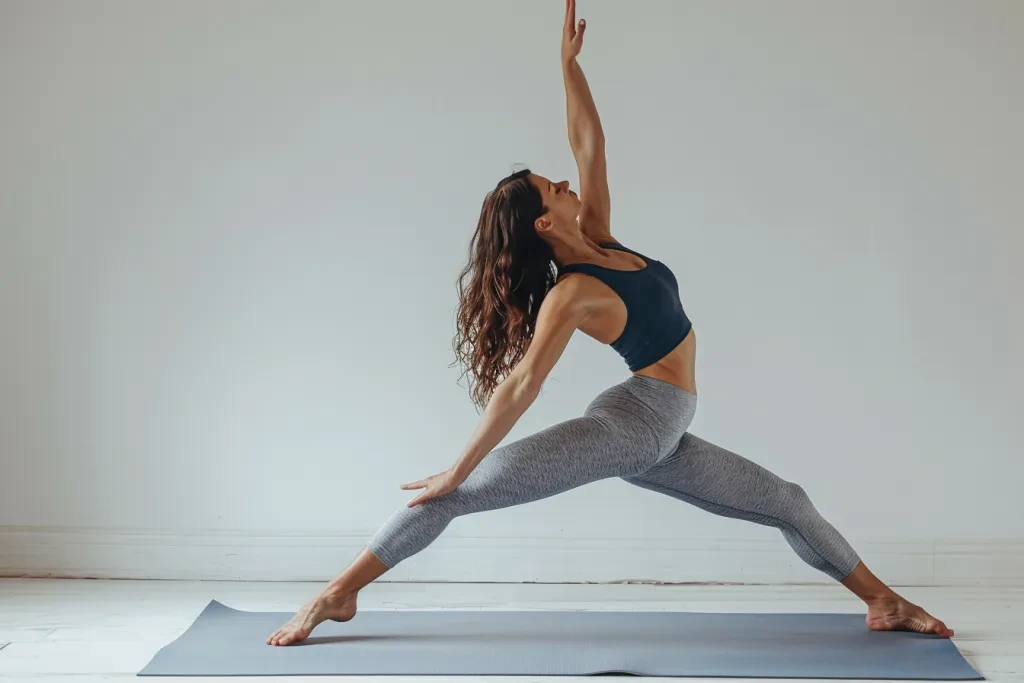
635 430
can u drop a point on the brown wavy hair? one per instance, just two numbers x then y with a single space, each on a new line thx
510 271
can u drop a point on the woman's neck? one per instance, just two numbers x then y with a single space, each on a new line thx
574 248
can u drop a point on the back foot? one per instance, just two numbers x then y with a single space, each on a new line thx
896 614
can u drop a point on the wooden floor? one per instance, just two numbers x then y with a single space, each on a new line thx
87 631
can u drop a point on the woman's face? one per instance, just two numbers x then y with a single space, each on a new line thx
563 205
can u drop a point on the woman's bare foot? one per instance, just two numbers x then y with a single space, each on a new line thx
896 614
329 605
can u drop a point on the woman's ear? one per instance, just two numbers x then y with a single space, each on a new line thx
542 224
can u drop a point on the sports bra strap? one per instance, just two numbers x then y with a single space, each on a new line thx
619 247
585 268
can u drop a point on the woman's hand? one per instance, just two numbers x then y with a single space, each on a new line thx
572 33
436 486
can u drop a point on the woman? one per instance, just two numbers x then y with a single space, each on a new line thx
544 264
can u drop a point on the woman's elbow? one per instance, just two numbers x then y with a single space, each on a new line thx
587 139
527 389
589 150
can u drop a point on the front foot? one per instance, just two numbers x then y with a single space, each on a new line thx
896 614
329 605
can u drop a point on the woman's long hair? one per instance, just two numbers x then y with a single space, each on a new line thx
510 271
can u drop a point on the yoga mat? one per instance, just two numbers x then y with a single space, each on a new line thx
228 642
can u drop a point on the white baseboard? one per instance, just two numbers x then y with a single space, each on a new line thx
254 556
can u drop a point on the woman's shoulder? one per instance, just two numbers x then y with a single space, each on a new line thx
576 291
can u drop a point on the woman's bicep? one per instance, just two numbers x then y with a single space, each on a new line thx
595 199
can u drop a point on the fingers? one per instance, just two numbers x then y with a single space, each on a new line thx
570 13
579 31
422 498
422 484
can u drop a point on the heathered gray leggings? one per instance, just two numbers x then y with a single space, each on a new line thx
635 430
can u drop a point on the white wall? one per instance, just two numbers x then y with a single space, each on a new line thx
231 230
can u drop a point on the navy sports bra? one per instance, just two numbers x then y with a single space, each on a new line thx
655 320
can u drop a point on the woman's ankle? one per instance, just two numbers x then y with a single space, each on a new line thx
363 571
339 590
868 587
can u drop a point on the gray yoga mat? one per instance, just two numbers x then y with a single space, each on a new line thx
228 642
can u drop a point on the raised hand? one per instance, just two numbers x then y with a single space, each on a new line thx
572 33
436 486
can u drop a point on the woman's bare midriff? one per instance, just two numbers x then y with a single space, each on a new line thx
678 367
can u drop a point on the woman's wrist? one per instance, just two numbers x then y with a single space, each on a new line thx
461 470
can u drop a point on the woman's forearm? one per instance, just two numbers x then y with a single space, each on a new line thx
585 131
508 403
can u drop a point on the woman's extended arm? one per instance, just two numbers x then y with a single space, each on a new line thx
586 138
560 314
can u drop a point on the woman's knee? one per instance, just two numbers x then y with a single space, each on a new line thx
797 503
796 494
434 512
